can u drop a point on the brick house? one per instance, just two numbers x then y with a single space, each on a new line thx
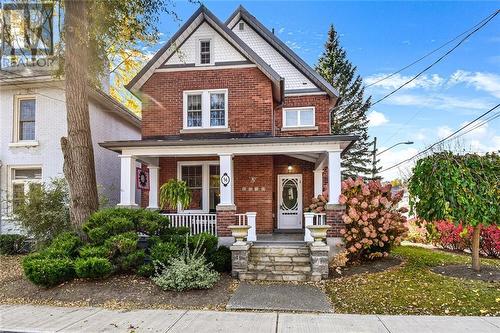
231 110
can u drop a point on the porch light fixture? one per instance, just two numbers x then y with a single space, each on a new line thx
289 167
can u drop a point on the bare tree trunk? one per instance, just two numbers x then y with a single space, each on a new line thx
476 265
79 167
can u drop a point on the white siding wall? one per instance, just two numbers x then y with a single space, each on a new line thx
50 127
294 79
223 51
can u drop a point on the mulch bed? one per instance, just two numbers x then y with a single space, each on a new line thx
121 291
487 273
375 266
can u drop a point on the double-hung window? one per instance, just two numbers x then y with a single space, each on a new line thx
205 109
24 126
21 180
205 52
298 117
203 178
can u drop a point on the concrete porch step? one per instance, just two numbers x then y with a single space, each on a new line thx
280 268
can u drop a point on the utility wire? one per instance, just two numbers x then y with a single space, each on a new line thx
440 58
443 140
34 93
429 53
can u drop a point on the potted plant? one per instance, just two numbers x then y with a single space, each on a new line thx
175 193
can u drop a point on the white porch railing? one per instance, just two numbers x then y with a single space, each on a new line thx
312 219
250 220
197 223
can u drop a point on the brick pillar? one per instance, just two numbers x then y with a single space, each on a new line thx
226 216
334 214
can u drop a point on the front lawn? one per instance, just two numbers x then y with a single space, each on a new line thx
413 289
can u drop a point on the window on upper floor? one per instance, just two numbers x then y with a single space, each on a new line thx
205 109
21 180
298 117
24 118
205 55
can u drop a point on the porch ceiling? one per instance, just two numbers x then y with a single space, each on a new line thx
304 147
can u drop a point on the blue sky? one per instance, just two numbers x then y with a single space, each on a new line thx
381 37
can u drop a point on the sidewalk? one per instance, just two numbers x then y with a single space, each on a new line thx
27 318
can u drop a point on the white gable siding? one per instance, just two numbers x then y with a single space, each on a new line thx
223 51
294 79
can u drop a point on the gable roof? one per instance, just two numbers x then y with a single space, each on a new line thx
174 43
282 48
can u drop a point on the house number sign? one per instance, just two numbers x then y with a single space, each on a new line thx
225 179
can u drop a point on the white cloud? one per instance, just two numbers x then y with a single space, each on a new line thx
377 119
394 156
439 101
443 131
424 81
280 31
488 82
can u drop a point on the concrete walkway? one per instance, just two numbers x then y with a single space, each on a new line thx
27 318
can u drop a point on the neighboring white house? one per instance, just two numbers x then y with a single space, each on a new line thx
32 122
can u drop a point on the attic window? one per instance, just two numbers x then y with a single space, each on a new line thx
241 26
205 54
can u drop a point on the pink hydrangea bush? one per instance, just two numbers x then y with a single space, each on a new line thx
373 223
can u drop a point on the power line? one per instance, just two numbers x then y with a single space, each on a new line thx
487 120
429 53
443 140
439 59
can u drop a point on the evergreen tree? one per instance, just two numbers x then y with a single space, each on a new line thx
349 117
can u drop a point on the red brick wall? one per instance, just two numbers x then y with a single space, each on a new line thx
322 104
250 99
260 201
334 219
264 169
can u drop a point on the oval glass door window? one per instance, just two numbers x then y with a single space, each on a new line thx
290 194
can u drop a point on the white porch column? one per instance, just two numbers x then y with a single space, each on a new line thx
334 177
127 181
226 179
153 187
308 220
318 182
251 221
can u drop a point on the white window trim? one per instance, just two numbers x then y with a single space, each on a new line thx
205 183
299 126
11 182
198 50
205 110
16 141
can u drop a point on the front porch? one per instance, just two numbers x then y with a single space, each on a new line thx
263 182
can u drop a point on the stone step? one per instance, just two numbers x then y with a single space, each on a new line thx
275 276
270 260
280 268
280 251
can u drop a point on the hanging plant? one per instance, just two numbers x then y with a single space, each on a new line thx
175 192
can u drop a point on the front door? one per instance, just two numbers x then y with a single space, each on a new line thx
289 201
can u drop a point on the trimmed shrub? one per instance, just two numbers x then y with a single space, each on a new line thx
48 272
12 244
450 236
93 268
221 259
490 241
146 270
373 223
64 245
188 271
89 251
123 251
164 252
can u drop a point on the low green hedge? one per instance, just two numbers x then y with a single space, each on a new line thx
48 272
93 268
12 243
221 259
